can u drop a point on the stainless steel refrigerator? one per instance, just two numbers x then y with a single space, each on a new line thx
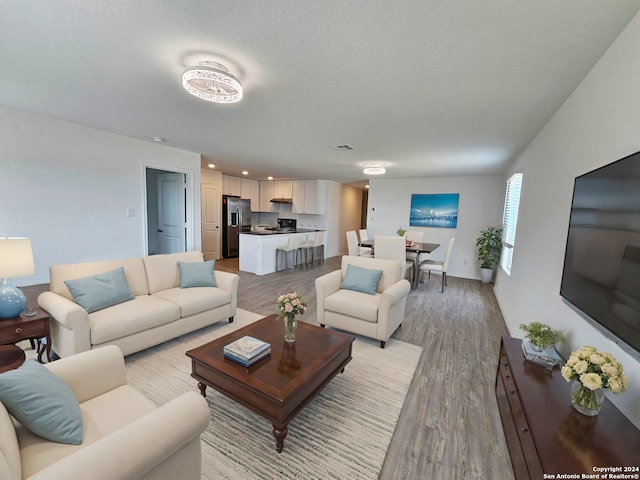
236 218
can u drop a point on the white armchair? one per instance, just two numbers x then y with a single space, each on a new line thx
125 435
375 316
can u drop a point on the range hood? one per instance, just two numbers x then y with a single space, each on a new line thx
282 200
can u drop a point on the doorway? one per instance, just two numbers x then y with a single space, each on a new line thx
169 226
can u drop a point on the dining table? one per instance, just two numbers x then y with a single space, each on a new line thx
411 247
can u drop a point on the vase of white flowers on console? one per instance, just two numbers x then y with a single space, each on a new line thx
592 372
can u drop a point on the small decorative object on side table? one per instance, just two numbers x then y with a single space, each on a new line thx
33 327
290 305
593 372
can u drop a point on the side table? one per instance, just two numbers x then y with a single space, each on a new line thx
28 328
11 357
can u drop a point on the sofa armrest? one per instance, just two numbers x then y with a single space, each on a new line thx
228 281
325 286
392 305
91 373
70 323
137 448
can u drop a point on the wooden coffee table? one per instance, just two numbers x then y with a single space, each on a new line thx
282 384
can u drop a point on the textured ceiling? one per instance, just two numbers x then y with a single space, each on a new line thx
430 87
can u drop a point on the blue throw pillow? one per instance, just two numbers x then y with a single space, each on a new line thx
197 274
100 291
42 403
361 279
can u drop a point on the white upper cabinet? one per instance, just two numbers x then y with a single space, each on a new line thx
250 189
231 185
266 194
309 197
282 189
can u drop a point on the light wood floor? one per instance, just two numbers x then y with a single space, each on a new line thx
450 426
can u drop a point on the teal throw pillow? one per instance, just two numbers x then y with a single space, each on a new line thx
100 291
42 403
361 279
197 274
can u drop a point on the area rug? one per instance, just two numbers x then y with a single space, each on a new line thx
344 433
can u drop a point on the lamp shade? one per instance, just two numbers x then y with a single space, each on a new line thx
16 257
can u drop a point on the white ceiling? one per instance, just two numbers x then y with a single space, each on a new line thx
431 87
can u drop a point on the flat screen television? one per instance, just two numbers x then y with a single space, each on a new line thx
601 275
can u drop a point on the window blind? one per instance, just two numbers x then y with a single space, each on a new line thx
511 205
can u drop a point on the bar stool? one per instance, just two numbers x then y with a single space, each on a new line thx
283 254
314 249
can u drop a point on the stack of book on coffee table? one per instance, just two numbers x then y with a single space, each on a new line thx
247 350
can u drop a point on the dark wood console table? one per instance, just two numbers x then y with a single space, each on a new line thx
544 433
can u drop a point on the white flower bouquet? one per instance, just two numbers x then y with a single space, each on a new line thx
594 370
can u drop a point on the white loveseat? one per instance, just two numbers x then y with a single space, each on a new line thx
375 315
160 310
124 434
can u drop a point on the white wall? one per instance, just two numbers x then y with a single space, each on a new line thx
480 206
597 125
68 188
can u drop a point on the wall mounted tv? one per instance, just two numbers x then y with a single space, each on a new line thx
601 275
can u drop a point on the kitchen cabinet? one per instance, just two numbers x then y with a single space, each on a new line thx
282 188
309 196
266 194
231 185
250 189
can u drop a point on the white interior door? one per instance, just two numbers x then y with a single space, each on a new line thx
210 221
171 213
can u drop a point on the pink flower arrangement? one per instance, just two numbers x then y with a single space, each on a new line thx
291 304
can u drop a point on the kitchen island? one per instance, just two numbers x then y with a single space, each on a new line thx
258 248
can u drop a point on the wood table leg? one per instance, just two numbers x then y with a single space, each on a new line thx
202 387
280 432
42 348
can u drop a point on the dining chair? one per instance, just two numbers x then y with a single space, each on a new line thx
363 234
417 237
438 266
392 247
354 248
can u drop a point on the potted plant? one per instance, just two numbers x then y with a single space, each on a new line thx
489 245
541 335
401 232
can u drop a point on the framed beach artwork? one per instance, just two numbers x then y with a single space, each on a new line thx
434 210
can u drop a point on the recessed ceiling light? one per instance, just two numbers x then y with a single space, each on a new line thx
157 139
211 165
366 186
244 172
269 178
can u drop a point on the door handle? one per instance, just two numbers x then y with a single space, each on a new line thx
160 231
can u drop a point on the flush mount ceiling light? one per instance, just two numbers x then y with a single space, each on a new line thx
374 168
212 81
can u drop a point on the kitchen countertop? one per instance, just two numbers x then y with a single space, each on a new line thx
281 232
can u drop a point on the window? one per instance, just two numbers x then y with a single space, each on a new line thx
510 220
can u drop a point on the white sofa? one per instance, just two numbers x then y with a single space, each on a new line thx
160 311
375 316
125 435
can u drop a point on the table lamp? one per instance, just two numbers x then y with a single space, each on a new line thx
16 260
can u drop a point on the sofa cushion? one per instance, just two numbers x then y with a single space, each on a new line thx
162 270
100 291
140 314
101 416
354 304
197 274
360 279
42 403
195 300
133 269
